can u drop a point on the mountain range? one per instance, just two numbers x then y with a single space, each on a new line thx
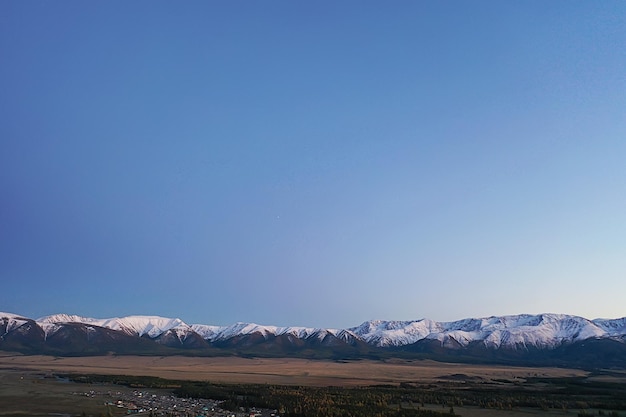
544 339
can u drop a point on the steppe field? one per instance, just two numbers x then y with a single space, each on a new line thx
277 371
31 386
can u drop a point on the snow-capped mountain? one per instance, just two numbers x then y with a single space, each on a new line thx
152 326
539 331
10 322
516 335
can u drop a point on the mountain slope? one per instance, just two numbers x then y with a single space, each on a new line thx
539 331
543 338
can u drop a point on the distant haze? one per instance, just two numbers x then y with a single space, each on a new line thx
312 164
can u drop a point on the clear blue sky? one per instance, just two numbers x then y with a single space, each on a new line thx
312 163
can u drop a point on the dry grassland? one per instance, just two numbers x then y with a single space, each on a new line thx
276 371
30 394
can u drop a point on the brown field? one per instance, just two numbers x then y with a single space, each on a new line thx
28 387
275 371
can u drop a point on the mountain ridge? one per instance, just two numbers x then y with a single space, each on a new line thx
505 338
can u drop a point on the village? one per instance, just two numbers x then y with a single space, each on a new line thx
138 402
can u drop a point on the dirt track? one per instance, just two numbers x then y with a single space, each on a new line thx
274 371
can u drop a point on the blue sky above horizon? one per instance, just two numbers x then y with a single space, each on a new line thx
315 164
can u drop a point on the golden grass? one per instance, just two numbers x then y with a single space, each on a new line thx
276 371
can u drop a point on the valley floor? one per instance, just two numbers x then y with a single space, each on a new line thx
280 371
31 386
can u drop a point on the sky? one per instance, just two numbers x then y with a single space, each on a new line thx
312 163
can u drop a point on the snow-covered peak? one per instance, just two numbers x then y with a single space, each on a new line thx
395 333
514 331
614 327
206 331
152 326
216 333
543 330
239 329
65 318
12 321
4 315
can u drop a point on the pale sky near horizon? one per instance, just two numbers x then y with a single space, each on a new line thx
313 163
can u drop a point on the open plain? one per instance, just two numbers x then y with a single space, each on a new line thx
278 371
30 386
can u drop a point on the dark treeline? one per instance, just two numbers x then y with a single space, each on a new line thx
577 394
409 399
291 401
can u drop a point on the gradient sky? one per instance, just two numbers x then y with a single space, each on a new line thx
312 163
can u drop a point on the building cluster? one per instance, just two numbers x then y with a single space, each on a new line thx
152 404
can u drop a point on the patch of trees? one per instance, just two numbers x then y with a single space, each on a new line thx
125 380
298 401
409 399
